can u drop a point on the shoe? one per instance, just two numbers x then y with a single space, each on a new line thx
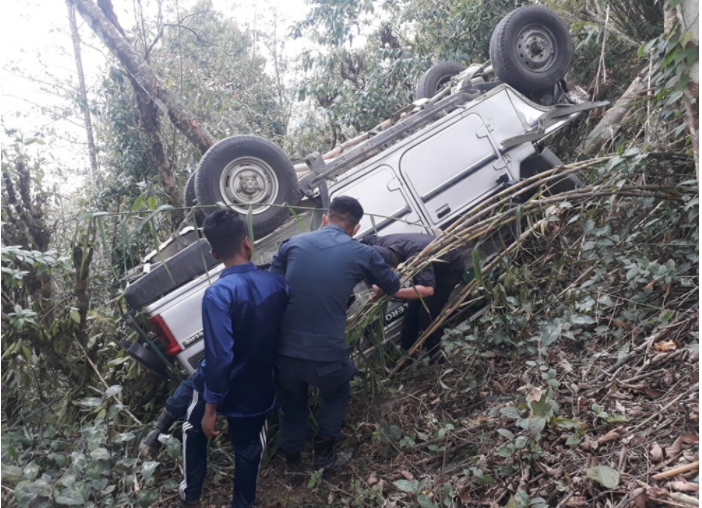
190 504
150 445
326 458
294 474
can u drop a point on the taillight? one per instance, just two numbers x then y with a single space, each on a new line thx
164 333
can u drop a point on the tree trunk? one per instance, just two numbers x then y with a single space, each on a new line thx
688 13
92 152
151 124
611 122
142 72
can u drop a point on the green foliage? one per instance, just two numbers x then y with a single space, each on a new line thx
79 465
359 85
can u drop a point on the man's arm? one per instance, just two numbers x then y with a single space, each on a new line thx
219 357
380 274
424 284
280 261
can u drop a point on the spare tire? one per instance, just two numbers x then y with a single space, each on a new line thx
248 172
531 49
190 200
183 267
437 77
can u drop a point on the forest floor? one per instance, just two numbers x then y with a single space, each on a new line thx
442 435
578 387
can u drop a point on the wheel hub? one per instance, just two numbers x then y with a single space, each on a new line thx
536 48
248 183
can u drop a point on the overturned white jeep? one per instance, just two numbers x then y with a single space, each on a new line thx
471 132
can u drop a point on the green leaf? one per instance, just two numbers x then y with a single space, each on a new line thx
425 501
113 390
406 485
506 433
535 425
11 474
70 497
148 468
510 412
170 484
90 401
550 333
604 475
75 315
100 454
506 450
146 498
573 440
31 471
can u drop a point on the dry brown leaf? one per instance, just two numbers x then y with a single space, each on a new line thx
674 449
535 394
612 435
464 496
690 438
372 480
665 345
588 444
651 392
621 324
637 498
408 476
656 453
684 486
577 502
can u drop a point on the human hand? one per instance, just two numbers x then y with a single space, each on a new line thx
377 293
208 424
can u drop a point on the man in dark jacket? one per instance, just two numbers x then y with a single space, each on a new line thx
432 286
241 316
322 268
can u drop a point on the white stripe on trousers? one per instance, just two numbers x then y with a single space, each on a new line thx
186 426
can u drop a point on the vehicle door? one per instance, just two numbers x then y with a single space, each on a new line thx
453 165
385 202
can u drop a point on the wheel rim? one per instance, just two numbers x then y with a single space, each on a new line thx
536 48
248 182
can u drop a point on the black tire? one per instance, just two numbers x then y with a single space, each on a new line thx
254 161
531 49
192 261
437 77
190 200
145 357
543 162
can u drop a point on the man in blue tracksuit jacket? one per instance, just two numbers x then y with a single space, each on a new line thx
241 316
322 268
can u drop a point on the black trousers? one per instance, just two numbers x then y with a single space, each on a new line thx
417 319
248 438
293 377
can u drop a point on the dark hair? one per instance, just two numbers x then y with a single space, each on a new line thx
225 230
346 209
388 256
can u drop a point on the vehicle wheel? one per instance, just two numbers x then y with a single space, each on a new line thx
183 267
543 162
190 200
437 77
145 357
531 49
248 172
